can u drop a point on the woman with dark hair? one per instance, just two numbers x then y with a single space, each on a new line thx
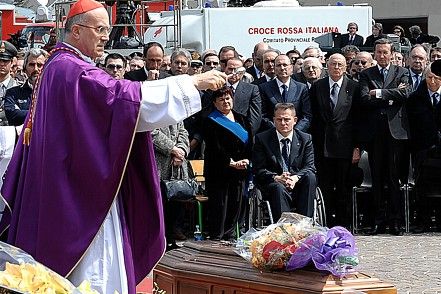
399 31
227 136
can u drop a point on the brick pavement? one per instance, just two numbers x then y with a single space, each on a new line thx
410 262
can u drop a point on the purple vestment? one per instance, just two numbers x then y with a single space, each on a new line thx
83 151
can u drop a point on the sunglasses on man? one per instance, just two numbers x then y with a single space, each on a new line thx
114 66
357 62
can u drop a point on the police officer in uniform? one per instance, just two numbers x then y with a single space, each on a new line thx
7 52
7 133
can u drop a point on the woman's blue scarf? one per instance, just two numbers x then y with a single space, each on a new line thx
232 126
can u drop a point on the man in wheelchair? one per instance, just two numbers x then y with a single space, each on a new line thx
283 164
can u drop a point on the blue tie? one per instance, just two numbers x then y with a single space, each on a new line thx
285 154
417 81
334 95
435 98
284 93
384 74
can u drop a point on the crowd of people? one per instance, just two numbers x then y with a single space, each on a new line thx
294 120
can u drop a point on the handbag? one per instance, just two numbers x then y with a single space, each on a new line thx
180 189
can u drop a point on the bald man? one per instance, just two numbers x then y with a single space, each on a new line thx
257 69
334 102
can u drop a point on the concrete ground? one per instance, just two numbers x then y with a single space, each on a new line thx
410 262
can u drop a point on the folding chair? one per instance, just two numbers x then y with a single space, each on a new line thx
366 186
197 166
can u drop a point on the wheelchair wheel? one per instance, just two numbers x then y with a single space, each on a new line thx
319 209
260 214
252 209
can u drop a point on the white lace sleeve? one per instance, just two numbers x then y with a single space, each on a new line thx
167 101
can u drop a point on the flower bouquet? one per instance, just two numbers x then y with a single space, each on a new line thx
294 242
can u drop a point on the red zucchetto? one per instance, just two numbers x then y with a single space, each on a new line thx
82 6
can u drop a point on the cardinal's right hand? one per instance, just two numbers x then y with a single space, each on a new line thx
212 80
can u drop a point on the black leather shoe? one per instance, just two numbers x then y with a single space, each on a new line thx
396 230
420 229
378 229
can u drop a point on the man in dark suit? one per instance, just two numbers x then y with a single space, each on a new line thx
351 38
283 164
377 34
269 68
424 112
312 70
246 96
417 37
284 89
334 102
153 55
256 70
418 59
384 130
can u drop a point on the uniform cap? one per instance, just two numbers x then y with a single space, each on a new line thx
208 52
7 50
196 62
435 68
82 6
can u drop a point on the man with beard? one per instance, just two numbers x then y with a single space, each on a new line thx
18 99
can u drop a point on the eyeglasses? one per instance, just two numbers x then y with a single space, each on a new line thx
103 31
180 62
352 28
397 32
310 67
238 71
294 59
211 63
114 66
360 61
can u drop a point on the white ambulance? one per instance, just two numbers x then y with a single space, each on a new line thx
283 28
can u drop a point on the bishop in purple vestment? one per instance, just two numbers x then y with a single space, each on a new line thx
89 149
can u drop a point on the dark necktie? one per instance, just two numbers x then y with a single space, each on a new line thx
285 154
232 89
334 95
435 98
384 74
417 81
284 93
351 42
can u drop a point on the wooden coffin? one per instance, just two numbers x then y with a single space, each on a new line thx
206 267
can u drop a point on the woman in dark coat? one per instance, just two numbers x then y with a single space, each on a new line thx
227 136
399 31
